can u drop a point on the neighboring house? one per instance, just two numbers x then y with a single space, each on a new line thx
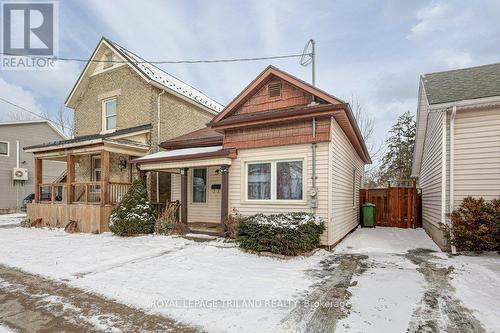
123 107
13 136
281 145
457 150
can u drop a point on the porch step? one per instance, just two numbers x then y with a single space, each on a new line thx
198 237
212 229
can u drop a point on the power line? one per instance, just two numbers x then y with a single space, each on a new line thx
166 61
31 112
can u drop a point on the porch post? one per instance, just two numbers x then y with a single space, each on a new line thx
70 177
224 210
104 177
38 178
184 195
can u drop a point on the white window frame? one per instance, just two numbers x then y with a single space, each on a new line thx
8 149
104 121
95 188
274 200
206 187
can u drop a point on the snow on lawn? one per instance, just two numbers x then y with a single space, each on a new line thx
386 294
162 274
11 219
477 283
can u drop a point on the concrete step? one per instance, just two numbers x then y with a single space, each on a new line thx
198 237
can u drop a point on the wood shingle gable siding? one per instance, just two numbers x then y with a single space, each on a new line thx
290 96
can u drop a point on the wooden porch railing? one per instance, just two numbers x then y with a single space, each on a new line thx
82 192
117 191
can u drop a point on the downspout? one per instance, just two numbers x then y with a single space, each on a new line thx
158 120
314 193
17 166
443 168
452 167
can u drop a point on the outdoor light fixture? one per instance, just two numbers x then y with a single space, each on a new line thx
122 163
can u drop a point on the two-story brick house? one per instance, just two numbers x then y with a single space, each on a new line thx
123 108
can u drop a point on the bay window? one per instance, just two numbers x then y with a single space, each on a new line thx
276 180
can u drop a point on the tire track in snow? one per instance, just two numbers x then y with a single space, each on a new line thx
439 309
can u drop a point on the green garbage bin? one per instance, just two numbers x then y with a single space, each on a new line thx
368 214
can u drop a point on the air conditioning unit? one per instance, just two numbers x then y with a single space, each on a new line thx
20 174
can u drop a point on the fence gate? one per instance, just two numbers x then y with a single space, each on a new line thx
394 206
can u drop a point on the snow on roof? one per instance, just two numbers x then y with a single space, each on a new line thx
180 152
169 81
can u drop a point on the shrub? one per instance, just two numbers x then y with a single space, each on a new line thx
134 215
231 225
288 234
475 225
165 223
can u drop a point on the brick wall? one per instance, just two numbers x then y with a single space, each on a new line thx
135 101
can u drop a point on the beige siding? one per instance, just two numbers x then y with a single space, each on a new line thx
345 162
477 154
200 212
430 180
302 151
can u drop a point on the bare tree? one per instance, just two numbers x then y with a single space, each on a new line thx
64 119
366 123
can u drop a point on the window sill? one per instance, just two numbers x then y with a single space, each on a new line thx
275 202
108 131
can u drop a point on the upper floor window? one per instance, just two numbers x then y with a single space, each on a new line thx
200 185
109 115
4 148
276 180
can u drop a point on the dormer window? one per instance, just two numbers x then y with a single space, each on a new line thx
109 115
274 90
108 58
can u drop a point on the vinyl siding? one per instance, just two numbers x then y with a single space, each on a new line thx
200 212
477 154
301 151
431 171
345 161
27 134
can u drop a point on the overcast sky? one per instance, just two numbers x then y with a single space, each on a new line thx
374 50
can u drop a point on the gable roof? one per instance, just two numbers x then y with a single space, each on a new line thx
343 113
155 76
37 121
260 80
462 84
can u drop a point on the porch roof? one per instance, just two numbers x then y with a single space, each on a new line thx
91 139
186 157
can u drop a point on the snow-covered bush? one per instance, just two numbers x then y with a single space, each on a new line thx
287 234
134 214
475 225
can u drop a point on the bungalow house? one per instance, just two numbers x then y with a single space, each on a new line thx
457 148
17 167
123 108
281 145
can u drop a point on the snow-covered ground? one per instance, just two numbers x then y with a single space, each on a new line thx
206 284
167 275
8 220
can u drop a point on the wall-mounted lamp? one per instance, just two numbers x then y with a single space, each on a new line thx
122 163
221 170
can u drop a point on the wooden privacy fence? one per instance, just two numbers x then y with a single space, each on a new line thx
394 206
